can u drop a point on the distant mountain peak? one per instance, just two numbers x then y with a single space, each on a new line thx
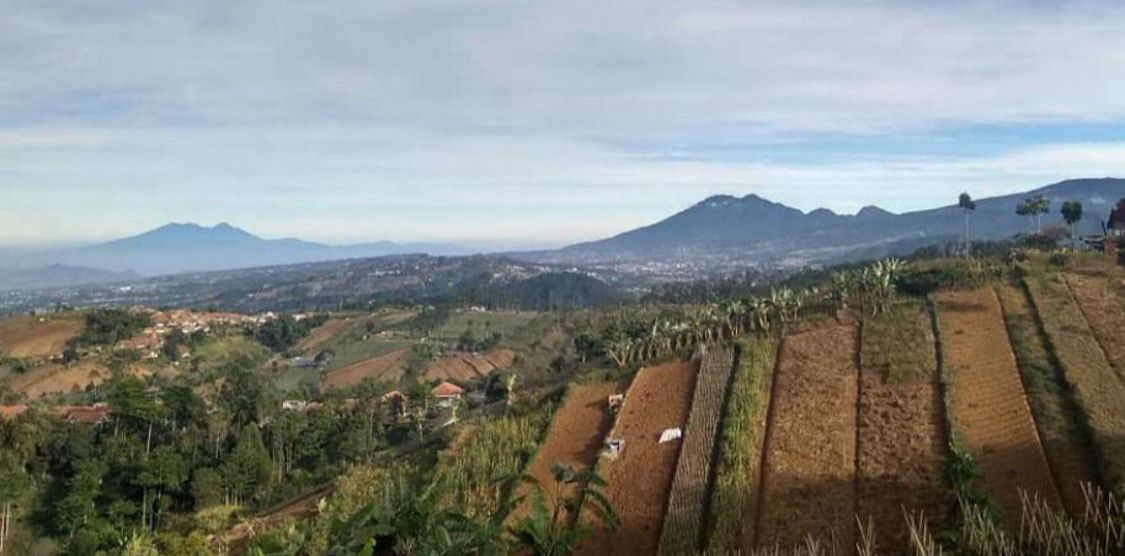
872 211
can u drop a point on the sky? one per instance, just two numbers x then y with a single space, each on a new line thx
526 123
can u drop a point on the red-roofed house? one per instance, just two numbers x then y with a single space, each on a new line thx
447 394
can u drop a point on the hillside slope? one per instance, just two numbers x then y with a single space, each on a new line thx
754 228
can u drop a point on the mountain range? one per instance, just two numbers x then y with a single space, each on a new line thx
750 229
720 232
177 248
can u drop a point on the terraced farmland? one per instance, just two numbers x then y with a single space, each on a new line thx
1100 396
687 503
990 407
640 478
810 457
1102 301
1059 427
900 442
736 490
574 437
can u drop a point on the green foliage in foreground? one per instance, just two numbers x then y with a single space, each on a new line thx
500 451
405 518
742 435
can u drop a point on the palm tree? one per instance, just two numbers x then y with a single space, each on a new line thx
968 206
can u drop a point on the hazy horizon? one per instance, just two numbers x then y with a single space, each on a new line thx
527 124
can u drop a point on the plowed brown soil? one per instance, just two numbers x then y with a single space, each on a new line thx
388 367
900 448
27 337
52 378
463 367
574 438
322 334
809 476
990 405
639 479
1102 300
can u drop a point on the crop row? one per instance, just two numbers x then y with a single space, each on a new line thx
1096 388
738 464
683 521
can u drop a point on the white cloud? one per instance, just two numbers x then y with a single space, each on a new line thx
497 119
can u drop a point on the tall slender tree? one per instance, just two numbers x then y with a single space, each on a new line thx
968 206
1072 213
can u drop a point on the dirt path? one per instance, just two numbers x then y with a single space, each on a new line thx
1102 300
809 474
990 405
900 442
574 438
1058 422
639 479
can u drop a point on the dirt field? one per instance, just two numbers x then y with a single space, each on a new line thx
640 477
990 406
51 378
809 474
1102 300
1058 423
389 367
24 337
575 437
321 335
901 443
464 367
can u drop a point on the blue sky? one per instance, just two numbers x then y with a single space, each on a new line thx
523 123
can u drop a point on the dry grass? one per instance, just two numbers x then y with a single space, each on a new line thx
1054 411
1094 385
899 344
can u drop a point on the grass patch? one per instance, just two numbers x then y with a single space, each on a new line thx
898 343
1055 412
1097 391
742 434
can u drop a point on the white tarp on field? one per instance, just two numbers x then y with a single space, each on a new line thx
670 434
